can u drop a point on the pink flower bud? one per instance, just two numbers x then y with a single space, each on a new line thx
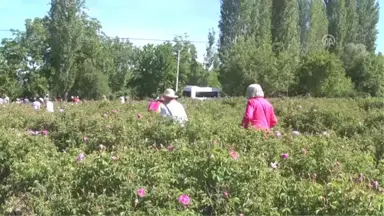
284 155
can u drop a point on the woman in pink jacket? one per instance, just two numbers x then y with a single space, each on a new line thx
259 112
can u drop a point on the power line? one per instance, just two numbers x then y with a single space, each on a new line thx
135 39
161 40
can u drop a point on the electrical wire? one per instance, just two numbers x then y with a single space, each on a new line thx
135 39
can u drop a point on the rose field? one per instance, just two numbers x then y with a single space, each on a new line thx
325 157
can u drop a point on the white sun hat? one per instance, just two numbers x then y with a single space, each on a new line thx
169 93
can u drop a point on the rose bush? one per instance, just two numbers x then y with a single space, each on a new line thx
102 158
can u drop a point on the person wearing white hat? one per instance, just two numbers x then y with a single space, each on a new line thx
172 108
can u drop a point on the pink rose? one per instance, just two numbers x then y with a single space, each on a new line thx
184 199
45 132
141 192
234 154
80 157
375 184
226 194
170 148
278 134
139 116
85 139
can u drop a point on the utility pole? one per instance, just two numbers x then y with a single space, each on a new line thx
178 66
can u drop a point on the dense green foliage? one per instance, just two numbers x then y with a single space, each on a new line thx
271 42
334 167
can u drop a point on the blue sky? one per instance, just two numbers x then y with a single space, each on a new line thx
152 19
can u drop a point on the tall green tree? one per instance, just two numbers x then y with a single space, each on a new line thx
351 22
304 16
245 44
243 18
286 41
66 36
337 24
228 24
368 18
285 30
318 27
211 58
211 63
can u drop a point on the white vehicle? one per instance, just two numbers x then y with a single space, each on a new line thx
201 93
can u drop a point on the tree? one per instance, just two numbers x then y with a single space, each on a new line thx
365 69
353 57
351 21
245 48
368 18
286 42
92 83
318 27
35 79
304 17
337 26
66 36
211 64
116 60
154 70
211 58
322 74
8 85
285 31
190 70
